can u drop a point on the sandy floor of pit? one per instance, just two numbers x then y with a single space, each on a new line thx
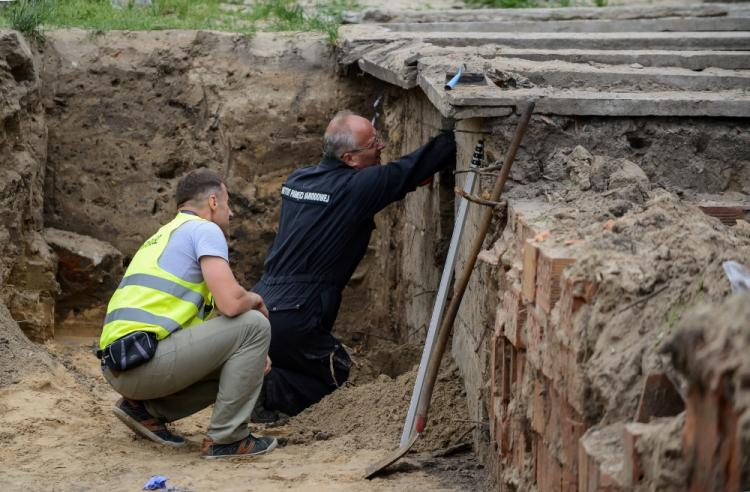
57 432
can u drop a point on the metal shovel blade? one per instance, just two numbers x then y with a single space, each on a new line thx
381 465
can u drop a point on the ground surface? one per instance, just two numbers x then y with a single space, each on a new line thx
57 431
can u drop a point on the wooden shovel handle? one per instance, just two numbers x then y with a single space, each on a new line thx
450 316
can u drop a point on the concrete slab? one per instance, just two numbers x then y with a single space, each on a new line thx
625 61
586 102
358 35
674 24
547 14
565 75
693 60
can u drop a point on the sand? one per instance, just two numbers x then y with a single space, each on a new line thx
57 432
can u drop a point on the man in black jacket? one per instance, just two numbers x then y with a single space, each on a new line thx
325 225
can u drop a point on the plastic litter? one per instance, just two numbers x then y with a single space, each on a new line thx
156 482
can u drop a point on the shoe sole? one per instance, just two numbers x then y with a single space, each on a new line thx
143 431
270 448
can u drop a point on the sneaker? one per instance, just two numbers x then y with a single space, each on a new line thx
249 446
133 413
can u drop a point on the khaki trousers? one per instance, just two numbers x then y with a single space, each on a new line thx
220 361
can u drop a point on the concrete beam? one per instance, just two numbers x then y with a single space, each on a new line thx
673 24
546 14
405 78
692 60
563 75
720 41
590 103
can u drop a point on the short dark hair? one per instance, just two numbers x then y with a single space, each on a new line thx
196 184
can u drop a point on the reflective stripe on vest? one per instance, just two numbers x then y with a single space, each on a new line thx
152 299
164 285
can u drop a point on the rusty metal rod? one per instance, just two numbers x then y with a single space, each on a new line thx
458 293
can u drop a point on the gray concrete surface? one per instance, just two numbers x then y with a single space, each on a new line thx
623 61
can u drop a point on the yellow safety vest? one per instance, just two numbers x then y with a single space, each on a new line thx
151 299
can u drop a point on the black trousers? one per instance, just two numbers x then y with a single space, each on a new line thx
308 362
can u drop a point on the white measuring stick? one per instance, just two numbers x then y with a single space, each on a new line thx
437 310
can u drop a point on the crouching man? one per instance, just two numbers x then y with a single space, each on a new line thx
160 351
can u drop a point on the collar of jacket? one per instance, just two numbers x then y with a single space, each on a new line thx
331 163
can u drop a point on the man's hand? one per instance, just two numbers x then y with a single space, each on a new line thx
261 306
267 369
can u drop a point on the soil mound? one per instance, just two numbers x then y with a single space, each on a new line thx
372 415
18 355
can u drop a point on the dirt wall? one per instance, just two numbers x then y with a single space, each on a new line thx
129 113
27 265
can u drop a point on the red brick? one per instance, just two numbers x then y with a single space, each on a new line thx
548 469
659 398
573 295
518 370
496 354
514 317
539 406
710 439
550 263
572 429
506 370
597 458
536 326
632 473
727 213
551 357
574 382
529 255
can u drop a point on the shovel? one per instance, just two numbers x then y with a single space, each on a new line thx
446 326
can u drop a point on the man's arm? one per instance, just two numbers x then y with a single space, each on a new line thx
378 186
231 298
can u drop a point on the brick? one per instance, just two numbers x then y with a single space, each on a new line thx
552 433
573 295
536 326
574 382
504 382
539 406
710 440
549 267
572 429
659 398
495 363
528 220
548 469
727 213
514 311
517 371
551 357
600 459
529 255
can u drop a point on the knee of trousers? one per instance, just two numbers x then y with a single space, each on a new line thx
255 326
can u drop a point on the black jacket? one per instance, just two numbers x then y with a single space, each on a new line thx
326 221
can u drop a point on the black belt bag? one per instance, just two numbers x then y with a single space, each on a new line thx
132 350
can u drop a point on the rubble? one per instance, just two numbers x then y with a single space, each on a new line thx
88 269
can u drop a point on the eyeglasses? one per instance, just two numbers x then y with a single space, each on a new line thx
376 142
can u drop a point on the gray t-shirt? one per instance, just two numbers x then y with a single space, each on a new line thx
189 242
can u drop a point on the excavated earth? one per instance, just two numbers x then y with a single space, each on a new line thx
97 129
96 132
